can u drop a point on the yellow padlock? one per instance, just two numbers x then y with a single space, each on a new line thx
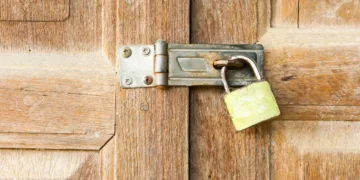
250 104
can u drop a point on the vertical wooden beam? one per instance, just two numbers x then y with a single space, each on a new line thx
263 17
284 13
151 138
216 150
108 164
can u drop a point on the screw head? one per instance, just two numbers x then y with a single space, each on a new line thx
148 80
145 51
127 80
126 52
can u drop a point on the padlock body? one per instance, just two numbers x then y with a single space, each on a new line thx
251 105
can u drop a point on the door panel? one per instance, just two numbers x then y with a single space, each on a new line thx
313 67
63 75
57 87
315 150
216 150
314 75
152 123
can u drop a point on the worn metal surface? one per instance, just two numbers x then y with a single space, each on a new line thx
193 64
190 64
219 64
161 63
134 68
243 59
126 52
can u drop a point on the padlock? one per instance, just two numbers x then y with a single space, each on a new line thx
250 104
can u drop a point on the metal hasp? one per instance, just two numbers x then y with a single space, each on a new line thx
164 64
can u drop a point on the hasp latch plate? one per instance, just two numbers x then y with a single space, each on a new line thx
164 64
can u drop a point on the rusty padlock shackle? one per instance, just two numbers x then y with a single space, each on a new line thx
243 58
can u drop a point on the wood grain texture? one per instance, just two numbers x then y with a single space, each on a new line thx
314 75
312 68
109 24
53 141
152 134
152 123
315 150
108 161
216 150
80 33
56 80
34 10
329 14
284 13
31 164
313 113
57 94
220 22
263 17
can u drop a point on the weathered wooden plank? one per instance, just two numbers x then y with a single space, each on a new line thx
56 94
43 93
34 10
314 68
55 81
31 164
220 17
80 33
315 150
216 150
263 16
53 141
284 13
310 113
109 30
327 14
152 124
108 160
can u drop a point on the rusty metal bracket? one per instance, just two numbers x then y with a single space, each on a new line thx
164 64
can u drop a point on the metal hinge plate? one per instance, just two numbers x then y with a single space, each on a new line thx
165 64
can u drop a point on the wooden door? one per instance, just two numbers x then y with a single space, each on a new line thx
311 61
64 116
